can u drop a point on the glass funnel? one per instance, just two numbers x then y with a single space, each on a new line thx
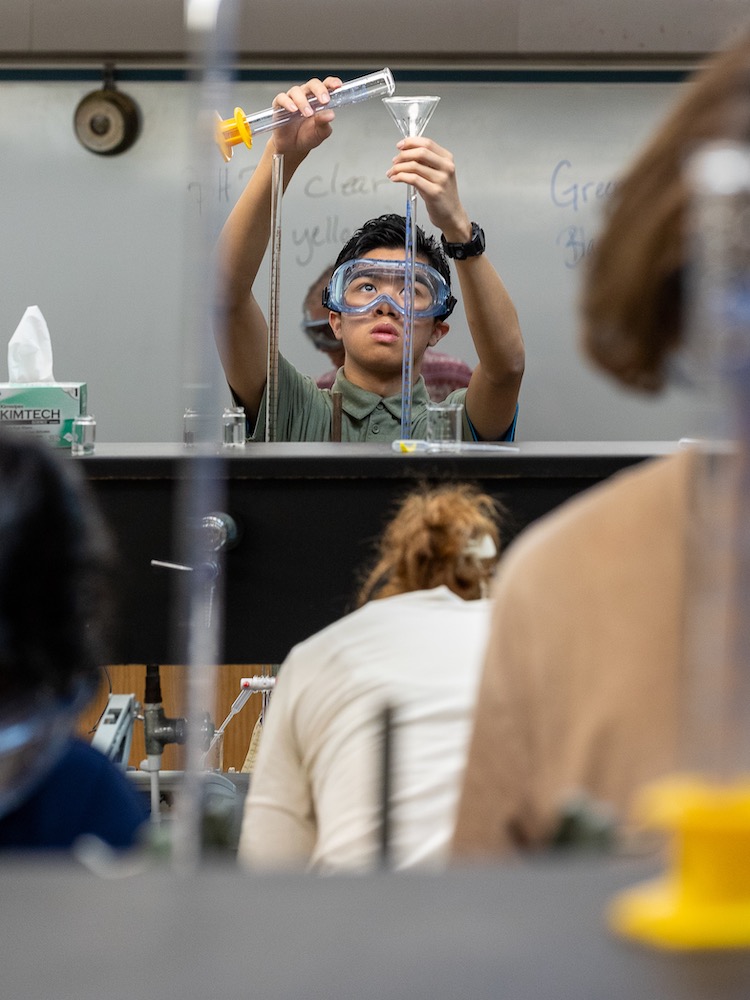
411 114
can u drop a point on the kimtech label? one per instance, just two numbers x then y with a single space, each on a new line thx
27 415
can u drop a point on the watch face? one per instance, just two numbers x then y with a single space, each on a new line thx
477 239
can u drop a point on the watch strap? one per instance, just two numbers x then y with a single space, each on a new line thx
460 251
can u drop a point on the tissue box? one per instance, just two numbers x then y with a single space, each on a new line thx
46 409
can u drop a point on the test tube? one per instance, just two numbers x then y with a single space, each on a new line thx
242 127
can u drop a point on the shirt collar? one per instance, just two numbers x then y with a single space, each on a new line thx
359 403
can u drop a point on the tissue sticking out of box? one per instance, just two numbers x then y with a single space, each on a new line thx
30 349
32 401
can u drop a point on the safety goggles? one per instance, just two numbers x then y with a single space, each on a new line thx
320 333
358 286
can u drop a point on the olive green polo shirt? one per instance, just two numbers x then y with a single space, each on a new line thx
305 412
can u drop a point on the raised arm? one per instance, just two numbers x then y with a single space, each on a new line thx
240 328
493 322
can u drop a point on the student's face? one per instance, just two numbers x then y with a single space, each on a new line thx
374 340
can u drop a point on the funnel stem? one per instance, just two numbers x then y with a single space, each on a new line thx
411 115
407 364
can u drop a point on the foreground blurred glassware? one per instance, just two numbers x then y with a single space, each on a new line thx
703 901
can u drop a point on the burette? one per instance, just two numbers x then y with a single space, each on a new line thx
272 357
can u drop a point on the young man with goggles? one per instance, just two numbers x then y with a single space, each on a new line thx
442 373
370 267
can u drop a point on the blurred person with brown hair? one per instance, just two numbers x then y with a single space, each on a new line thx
442 373
581 689
414 646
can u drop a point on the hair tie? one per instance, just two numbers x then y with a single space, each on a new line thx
480 548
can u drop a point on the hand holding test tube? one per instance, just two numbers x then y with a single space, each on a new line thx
242 127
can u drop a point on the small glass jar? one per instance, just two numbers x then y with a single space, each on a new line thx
190 428
83 439
233 427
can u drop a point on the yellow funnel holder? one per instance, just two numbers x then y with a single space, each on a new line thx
704 901
242 128
231 131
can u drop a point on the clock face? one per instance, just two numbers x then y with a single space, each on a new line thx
107 122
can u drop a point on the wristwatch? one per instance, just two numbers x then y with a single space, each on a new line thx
460 251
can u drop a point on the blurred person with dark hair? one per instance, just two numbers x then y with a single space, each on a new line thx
55 563
583 680
414 645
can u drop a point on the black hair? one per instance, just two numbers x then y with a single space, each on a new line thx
55 565
390 231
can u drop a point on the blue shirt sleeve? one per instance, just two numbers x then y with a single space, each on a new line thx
84 793
510 434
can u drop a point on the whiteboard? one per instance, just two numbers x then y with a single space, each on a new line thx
101 244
